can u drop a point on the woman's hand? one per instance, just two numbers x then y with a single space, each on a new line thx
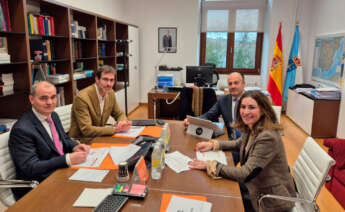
204 146
197 164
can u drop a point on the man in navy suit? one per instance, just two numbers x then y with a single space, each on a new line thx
38 143
225 107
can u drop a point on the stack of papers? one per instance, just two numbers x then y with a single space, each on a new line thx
89 175
95 157
212 155
177 161
133 132
120 154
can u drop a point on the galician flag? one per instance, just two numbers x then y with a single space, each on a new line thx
294 70
275 82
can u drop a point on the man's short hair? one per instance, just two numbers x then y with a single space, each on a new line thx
34 87
105 69
242 75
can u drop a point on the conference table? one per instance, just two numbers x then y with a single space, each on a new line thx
57 193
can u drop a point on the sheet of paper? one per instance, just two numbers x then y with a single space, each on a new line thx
183 204
133 132
95 157
177 161
89 175
212 155
119 154
91 197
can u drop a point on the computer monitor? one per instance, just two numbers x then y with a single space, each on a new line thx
201 76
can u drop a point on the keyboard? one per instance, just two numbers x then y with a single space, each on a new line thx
112 203
146 122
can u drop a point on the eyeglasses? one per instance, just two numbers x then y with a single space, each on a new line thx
46 98
107 80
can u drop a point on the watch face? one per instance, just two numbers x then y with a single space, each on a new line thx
198 131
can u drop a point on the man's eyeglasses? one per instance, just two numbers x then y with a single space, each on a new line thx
107 80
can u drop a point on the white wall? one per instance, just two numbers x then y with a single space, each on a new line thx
109 8
148 15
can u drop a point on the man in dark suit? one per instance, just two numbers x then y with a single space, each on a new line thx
38 143
167 41
226 106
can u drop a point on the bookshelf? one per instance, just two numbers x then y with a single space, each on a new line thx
17 47
122 51
72 49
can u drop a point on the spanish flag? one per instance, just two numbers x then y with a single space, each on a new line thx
275 82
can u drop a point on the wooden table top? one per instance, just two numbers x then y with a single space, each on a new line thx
57 193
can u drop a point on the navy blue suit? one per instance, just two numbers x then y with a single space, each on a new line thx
223 107
33 151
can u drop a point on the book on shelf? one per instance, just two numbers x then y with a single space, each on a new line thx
40 24
7 83
78 51
4 56
102 49
41 50
102 32
60 96
5 20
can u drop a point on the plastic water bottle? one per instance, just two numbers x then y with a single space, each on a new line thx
156 169
166 136
163 148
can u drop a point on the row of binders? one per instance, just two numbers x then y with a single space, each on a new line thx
5 20
40 24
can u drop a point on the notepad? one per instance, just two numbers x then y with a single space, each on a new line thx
186 204
212 155
91 197
166 198
89 175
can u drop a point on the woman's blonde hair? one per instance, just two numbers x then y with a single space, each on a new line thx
268 119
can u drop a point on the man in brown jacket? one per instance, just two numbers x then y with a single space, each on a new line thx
93 106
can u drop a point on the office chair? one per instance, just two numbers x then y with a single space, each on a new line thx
196 101
310 172
8 173
215 74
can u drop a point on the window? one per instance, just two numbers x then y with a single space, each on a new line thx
232 36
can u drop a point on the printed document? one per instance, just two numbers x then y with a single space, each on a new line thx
133 132
177 161
89 175
212 155
120 154
91 197
183 204
95 157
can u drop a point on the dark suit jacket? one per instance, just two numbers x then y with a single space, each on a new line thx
222 107
33 151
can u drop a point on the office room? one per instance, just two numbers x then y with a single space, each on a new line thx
138 45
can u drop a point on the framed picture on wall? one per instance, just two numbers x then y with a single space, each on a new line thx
167 39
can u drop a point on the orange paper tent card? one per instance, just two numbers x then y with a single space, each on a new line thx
152 131
107 163
167 197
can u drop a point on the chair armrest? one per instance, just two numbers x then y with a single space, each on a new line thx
18 184
290 199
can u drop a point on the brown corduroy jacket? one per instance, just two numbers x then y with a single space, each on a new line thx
86 118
